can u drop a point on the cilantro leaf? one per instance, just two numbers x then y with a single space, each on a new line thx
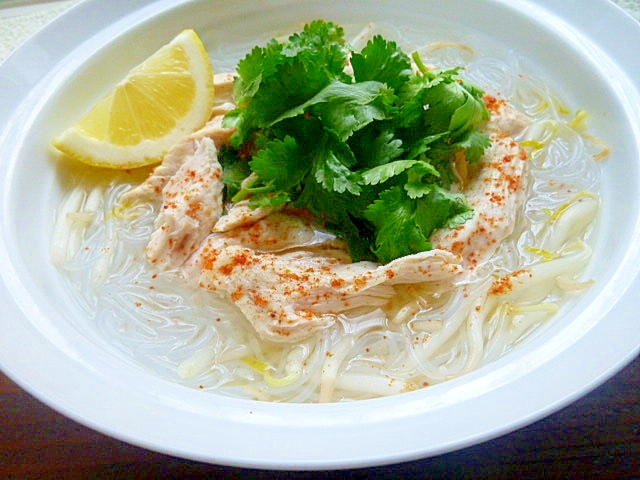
345 108
331 162
278 77
474 143
376 144
234 170
281 162
404 224
469 114
382 61
335 212
253 68
421 179
321 43
270 199
397 231
441 208
382 173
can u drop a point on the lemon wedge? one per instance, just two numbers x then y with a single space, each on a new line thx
166 97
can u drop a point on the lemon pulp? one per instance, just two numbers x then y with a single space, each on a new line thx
166 97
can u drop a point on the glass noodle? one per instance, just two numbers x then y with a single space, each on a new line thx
193 337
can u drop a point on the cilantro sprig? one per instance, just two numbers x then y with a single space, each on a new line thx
369 153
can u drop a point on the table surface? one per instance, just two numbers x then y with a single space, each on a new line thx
598 436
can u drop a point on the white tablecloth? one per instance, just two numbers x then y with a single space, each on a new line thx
20 19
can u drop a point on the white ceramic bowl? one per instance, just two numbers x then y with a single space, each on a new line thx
586 48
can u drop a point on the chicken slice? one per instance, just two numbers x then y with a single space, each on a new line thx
241 215
289 296
223 85
192 204
495 188
151 188
276 232
496 194
504 119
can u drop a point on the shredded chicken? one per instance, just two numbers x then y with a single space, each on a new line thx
495 189
241 215
290 279
505 119
192 204
288 296
223 84
276 232
496 194
151 188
